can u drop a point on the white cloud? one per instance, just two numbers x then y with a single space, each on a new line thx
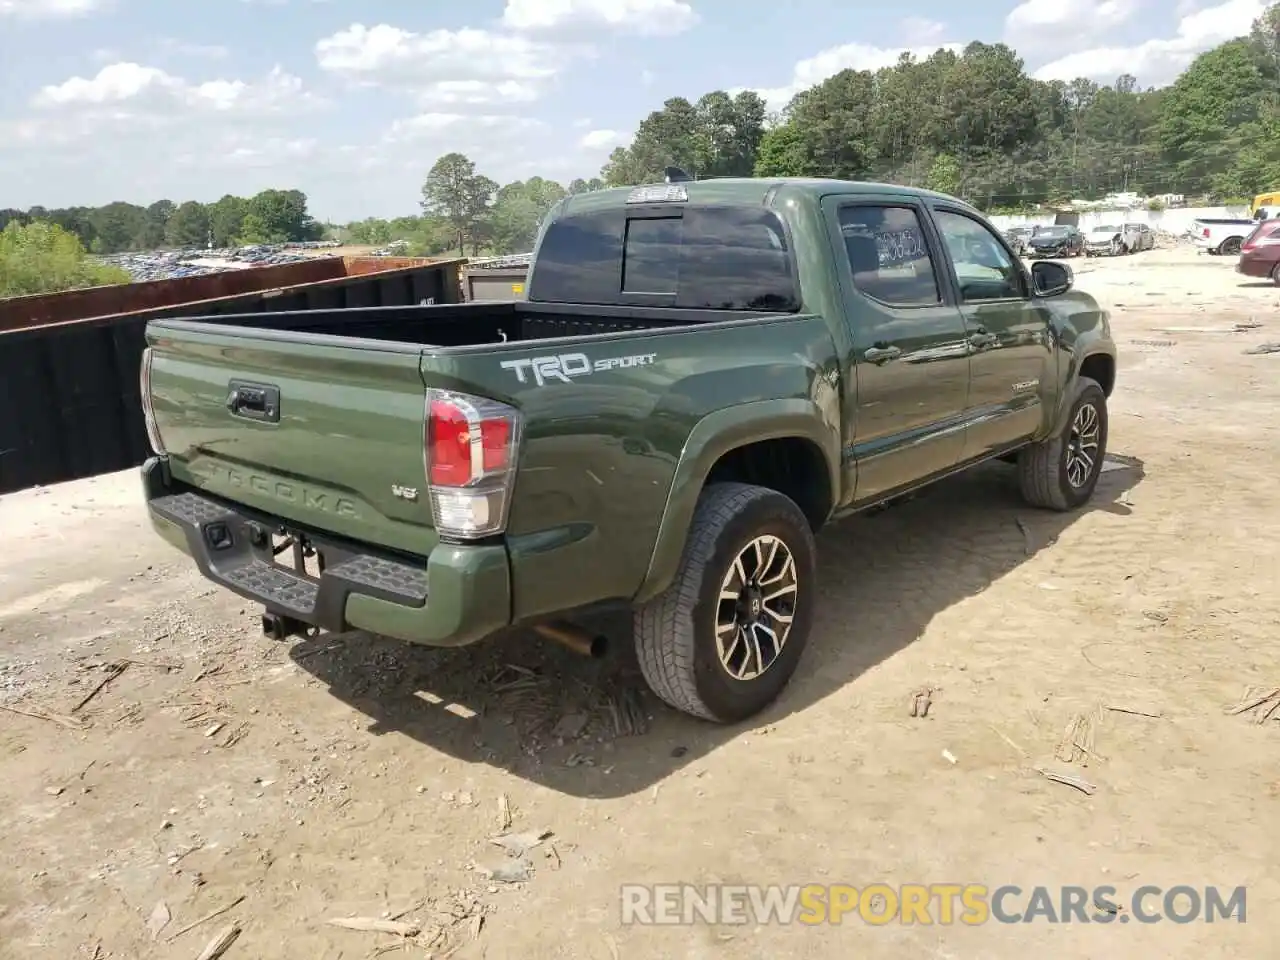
849 56
460 129
239 150
442 66
603 140
153 91
49 9
918 31
1159 61
1044 25
183 48
644 17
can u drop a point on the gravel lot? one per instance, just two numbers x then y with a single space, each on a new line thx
346 776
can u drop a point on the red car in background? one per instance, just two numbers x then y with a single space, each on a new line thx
1260 252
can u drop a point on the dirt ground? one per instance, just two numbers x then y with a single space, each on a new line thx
345 776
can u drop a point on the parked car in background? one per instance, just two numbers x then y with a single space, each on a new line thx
1221 236
1260 253
1105 240
1139 237
1113 239
1019 238
1057 241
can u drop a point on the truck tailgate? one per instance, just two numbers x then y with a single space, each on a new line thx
328 435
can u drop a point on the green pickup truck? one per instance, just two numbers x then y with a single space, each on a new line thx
703 375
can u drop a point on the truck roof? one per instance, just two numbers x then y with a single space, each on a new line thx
747 190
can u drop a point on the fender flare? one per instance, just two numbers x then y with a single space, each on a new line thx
1085 348
712 437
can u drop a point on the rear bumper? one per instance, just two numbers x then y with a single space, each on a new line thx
457 595
1253 266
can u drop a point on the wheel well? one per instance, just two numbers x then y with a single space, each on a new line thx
791 465
1101 368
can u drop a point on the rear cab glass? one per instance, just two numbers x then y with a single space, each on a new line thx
691 256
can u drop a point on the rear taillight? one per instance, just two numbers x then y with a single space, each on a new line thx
470 459
1205 233
148 411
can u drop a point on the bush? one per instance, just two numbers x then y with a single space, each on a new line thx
41 257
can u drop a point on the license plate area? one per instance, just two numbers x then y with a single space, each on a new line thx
292 551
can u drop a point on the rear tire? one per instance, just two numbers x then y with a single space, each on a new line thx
1231 246
710 655
1275 275
1060 473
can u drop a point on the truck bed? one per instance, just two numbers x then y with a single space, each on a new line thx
470 324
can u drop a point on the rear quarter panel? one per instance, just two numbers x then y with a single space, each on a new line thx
599 454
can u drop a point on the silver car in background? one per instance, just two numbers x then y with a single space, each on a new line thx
1139 236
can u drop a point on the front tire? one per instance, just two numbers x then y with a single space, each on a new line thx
723 640
1061 473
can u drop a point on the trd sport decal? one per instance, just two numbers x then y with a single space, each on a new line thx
565 366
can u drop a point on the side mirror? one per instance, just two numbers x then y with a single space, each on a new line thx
1051 278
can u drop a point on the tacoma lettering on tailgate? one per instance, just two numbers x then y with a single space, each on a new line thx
280 490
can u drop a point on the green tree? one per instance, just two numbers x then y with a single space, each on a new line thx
784 152
155 220
944 175
226 219
189 226
281 215
42 257
118 226
454 192
254 230
517 212
585 186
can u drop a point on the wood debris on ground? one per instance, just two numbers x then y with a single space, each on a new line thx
71 723
113 671
1077 741
219 944
159 919
206 918
1259 703
518 844
921 701
1079 783
1149 712
400 928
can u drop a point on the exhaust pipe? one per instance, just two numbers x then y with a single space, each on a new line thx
573 637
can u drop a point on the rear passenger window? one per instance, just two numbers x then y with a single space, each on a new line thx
698 257
888 255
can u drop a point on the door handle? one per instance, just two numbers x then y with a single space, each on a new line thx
254 401
881 354
980 339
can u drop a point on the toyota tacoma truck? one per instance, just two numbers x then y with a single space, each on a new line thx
703 375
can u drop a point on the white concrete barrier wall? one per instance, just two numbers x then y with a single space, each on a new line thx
1175 221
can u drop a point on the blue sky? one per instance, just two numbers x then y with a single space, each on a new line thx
140 100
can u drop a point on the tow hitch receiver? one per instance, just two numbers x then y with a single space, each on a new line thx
279 627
